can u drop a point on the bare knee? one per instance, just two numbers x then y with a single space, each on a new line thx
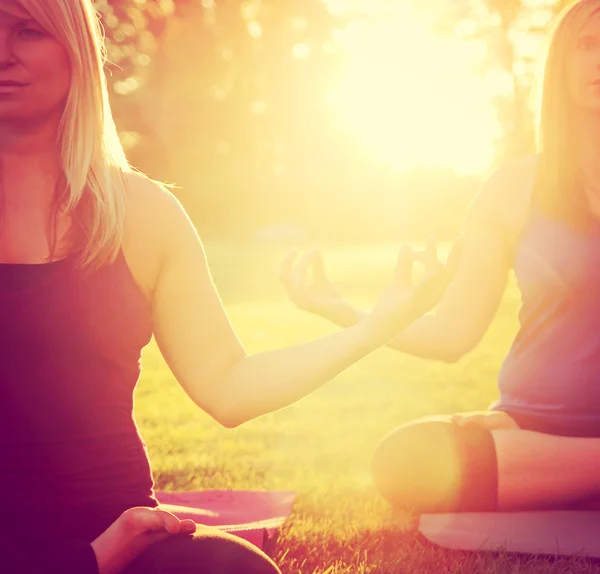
418 466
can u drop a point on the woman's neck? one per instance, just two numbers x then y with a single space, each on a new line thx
28 136
28 181
30 169
29 219
29 145
30 165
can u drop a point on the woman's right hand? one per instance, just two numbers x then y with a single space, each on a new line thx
491 420
134 531
319 295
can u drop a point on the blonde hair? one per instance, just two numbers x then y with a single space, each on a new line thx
93 159
559 188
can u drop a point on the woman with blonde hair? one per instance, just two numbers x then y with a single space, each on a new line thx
95 258
538 446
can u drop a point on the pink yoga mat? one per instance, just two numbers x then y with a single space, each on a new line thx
563 533
254 515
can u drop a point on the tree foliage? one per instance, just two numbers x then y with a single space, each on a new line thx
221 97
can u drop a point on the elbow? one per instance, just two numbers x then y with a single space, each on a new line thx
221 411
224 406
451 357
229 423
228 418
235 414
229 415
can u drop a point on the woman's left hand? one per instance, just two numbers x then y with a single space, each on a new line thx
402 302
134 531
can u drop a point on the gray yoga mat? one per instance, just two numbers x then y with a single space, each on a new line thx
556 533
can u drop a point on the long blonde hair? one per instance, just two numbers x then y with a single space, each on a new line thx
559 189
93 159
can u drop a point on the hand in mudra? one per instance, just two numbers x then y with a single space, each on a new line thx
134 531
402 301
317 296
491 420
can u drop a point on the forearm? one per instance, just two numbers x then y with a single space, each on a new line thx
269 381
429 337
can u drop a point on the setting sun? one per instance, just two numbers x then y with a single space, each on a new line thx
411 97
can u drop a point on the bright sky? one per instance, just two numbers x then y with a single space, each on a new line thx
412 98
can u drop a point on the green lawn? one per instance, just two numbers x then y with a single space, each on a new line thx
321 446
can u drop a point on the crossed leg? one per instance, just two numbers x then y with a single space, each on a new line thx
208 551
433 465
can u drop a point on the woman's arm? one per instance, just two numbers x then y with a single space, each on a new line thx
128 536
473 296
203 352
471 300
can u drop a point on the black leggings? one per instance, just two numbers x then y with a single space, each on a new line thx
208 551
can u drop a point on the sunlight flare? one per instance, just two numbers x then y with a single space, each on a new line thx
413 98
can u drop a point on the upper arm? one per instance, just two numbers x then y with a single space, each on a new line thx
190 324
474 295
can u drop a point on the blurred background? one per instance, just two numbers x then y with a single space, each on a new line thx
325 120
355 125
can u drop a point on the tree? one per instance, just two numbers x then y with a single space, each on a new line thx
229 100
514 32
226 99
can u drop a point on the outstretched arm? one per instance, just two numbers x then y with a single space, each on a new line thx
202 350
471 300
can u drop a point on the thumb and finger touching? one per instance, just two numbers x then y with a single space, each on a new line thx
157 520
285 269
300 273
318 267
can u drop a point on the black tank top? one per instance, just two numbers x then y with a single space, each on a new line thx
70 358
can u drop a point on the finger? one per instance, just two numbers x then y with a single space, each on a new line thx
501 420
474 420
427 293
431 248
285 269
454 256
318 267
404 266
298 277
147 519
456 417
432 262
493 421
157 519
171 523
421 256
187 526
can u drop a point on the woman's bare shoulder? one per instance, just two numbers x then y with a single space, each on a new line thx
146 195
152 207
152 214
505 197
501 208
511 182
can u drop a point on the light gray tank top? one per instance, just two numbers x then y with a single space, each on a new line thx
553 367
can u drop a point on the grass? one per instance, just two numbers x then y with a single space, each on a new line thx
321 446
